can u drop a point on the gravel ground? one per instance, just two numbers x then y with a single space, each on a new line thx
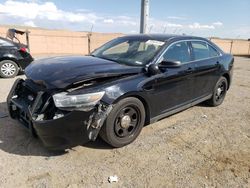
199 147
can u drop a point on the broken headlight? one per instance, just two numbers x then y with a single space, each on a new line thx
83 102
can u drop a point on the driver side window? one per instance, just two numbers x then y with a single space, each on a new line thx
178 52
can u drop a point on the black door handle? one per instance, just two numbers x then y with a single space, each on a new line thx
189 70
217 64
148 88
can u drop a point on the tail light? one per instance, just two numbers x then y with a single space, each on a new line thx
24 49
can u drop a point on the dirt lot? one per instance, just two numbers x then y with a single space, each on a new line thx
200 147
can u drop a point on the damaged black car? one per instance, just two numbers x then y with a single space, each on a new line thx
125 84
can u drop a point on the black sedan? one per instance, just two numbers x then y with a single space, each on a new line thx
14 57
127 83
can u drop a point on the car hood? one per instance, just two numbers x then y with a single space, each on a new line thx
61 72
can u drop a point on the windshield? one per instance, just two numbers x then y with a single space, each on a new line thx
133 52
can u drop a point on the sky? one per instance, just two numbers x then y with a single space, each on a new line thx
213 18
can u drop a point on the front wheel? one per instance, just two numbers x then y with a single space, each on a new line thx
124 123
8 69
219 92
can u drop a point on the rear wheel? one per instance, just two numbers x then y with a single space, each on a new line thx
219 93
124 123
8 69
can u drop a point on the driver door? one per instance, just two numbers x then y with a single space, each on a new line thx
173 88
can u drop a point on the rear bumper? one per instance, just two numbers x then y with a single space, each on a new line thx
72 129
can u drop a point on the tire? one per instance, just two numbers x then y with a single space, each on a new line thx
124 123
219 94
8 69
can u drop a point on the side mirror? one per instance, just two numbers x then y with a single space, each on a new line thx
153 69
169 64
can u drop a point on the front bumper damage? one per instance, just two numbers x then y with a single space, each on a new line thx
62 130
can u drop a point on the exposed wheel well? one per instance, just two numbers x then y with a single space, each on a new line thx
226 75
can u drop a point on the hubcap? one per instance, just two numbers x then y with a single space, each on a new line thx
127 121
220 91
8 69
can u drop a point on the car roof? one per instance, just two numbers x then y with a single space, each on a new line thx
163 37
167 37
11 42
6 40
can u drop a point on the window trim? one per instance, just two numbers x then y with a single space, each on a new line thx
158 60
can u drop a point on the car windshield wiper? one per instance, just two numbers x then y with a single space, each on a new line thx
101 57
109 59
106 58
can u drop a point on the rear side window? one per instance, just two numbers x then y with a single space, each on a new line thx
212 52
202 50
178 52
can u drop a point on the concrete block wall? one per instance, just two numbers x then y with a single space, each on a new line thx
44 42
51 42
234 46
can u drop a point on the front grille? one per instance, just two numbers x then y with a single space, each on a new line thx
20 100
27 101
25 95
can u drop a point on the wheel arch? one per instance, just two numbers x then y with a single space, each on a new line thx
227 76
10 59
142 99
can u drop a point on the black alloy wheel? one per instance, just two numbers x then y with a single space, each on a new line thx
127 121
219 93
124 123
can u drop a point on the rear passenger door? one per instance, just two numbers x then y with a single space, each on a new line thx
206 68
